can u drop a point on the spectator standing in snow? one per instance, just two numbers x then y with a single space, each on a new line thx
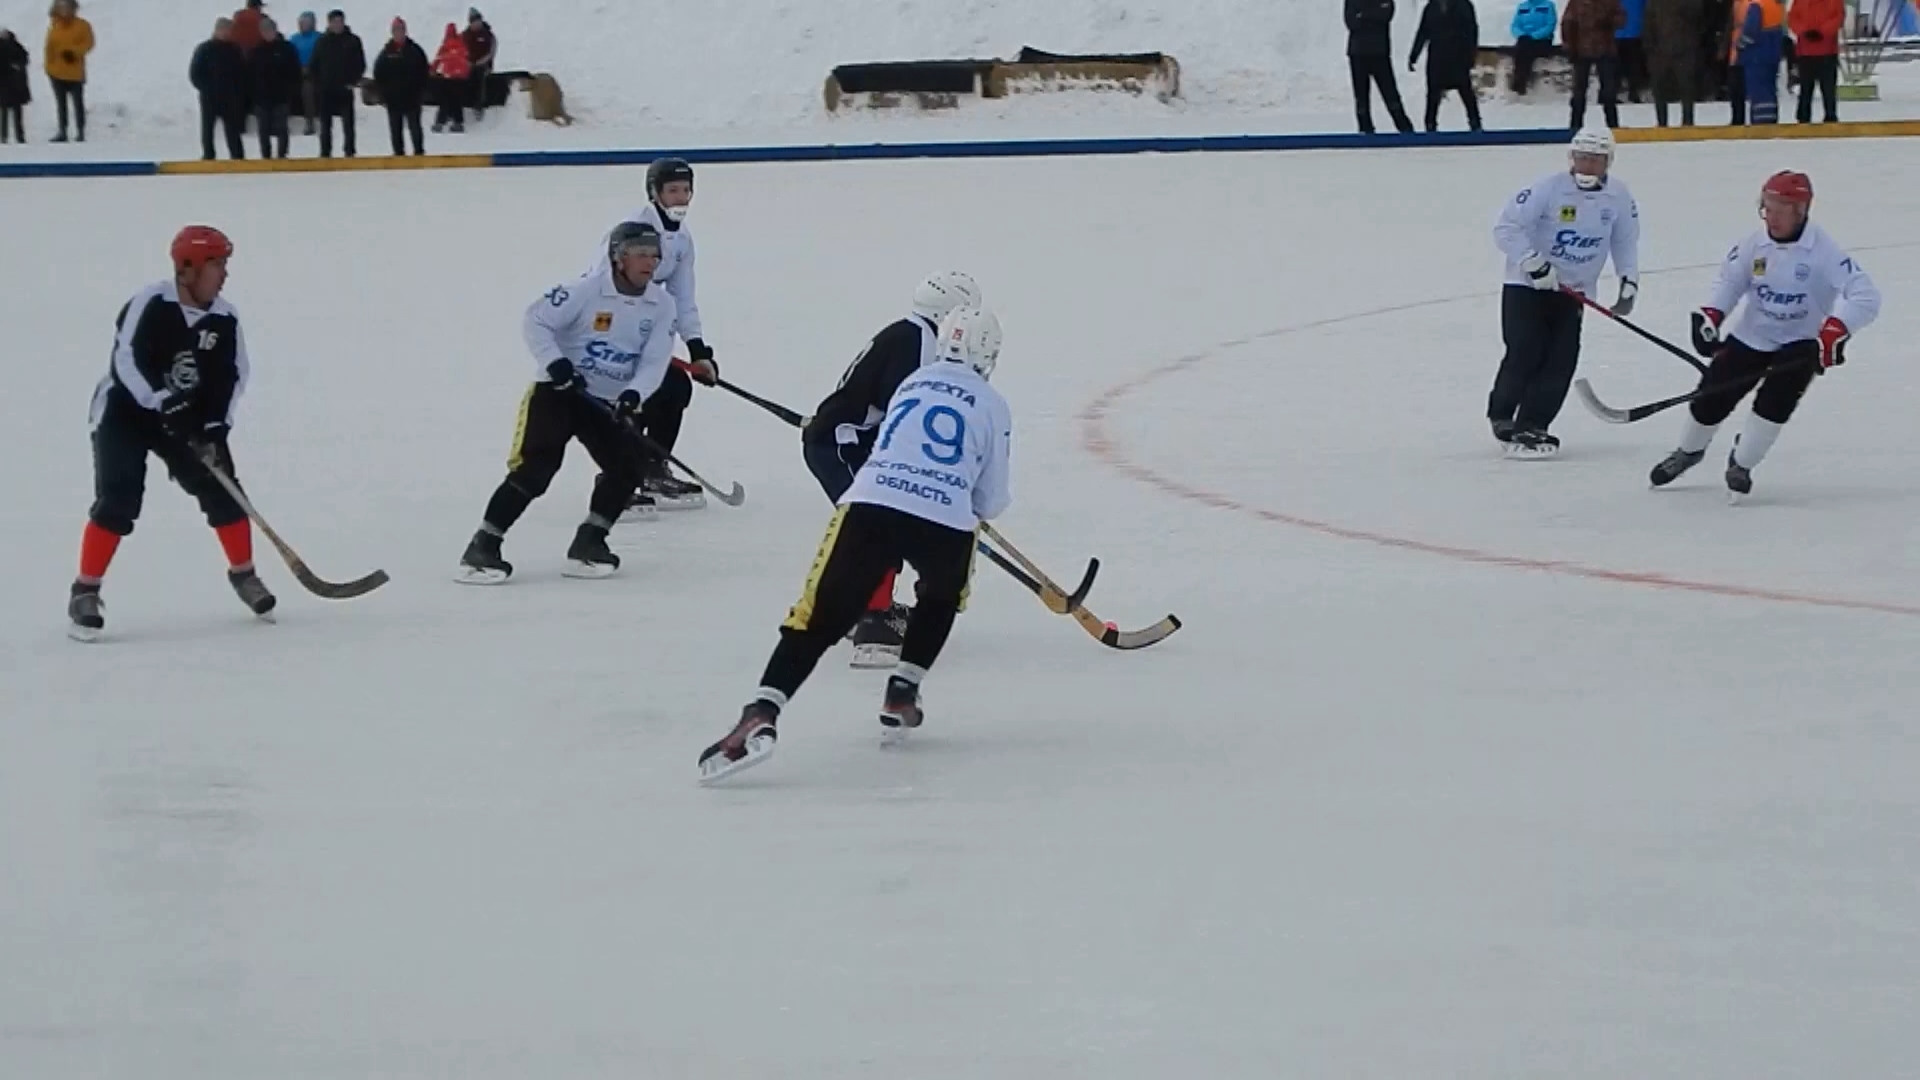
1760 37
1370 62
274 69
481 48
303 42
1532 30
339 63
16 90
1587 31
1672 33
1816 36
1633 56
1450 31
450 73
219 73
69 40
246 26
401 73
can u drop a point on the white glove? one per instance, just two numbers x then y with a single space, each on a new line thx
1540 273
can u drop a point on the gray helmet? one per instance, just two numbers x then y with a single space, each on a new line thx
629 235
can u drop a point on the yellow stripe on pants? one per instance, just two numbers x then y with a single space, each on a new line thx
520 429
801 614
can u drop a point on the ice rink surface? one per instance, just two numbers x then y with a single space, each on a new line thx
1461 766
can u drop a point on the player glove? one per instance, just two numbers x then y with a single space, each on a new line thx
1834 336
1540 273
563 376
1629 290
703 367
175 409
626 405
1706 330
210 444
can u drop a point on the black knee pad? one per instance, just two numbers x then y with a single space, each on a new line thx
117 517
1780 395
529 481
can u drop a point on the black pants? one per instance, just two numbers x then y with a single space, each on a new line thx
227 113
1633 67
1584 68
549 420
1736 84
15 115
477 88
452 110
272 122
1542 334
1438 86
121 442
661 416
1739 365
406 114
1369 72
1526 52
1824 71
862 544
75 94
336 103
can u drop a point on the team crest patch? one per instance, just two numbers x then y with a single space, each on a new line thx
1606 215
1802 272
1760 266
1568 214
602 321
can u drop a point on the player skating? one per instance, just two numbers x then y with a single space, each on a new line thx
839 436
938 468
178 371
1805 299
603 344
1557 232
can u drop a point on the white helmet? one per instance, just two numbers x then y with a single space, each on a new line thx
1591 140
969 335
941 292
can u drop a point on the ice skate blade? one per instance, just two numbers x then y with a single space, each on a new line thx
587 571
634 515
696 500
869 657
1516 452
86 635
718 768
892 736
475 575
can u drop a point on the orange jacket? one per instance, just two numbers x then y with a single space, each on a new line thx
246 29
68 38
1816 26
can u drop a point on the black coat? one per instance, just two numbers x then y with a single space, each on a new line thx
219 71
274 67
401 73
15 87
1450 32
339 61
1369 27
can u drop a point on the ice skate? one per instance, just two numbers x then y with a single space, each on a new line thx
877 638
1502 430
86 614
641 508
588 556
900 712
670 492
1739 480
482 563
1674 465
252 592
749 743
1530 444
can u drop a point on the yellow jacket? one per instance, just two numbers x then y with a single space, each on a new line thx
68 37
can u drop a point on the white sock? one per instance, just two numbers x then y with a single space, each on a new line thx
1756 438
912 673
1696 436
772 697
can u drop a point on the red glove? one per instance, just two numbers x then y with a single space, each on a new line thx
1706 330
1834 336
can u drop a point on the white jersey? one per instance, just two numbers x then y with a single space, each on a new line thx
676 265
1573 229
943 450
1791 288
616 342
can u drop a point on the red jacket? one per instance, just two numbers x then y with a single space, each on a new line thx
1816 26
451 61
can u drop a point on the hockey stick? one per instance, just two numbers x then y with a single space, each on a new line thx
1057 602
1040 585
773 407
732 498
1641 412
1636 328
309 580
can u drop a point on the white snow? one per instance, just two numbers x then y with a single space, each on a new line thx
1375 812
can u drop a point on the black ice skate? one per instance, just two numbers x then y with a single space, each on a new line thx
252 592
877 637
1739 479
670 492
589 556
1532 444
900 711
748 744
1674 465
482 564
1502 430
641 508
86 614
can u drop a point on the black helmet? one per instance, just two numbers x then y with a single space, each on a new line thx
665 171
631 234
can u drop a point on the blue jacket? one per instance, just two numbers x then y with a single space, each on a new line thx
1535 19
303 44
1761 45
1636 10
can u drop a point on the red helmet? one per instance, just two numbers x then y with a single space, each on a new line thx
1789 185
197 244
